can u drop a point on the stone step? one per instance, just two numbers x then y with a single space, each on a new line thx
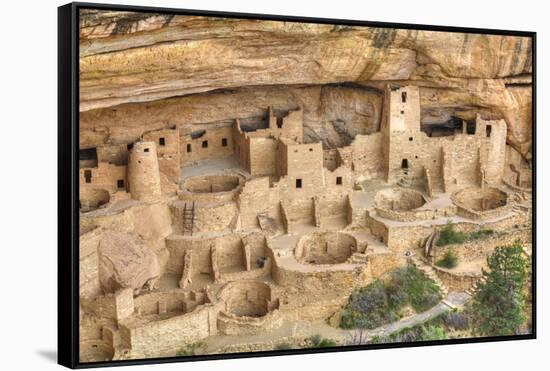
430 273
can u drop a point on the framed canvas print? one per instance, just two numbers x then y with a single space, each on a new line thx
238 185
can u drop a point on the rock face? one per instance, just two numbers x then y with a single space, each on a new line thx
201 69
125 261
328 108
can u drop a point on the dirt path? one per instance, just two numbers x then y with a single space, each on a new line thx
306 329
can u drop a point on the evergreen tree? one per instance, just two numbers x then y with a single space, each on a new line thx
499 298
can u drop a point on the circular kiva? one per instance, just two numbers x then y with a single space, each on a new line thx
325 248
480 199
398 199
93 198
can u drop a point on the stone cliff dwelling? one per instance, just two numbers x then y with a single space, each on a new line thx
243 228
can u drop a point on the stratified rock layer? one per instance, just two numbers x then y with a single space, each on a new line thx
220 68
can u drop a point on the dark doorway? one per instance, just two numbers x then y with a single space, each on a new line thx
204 144
404 97
188 147
338 180
120 184
88 176
279 122
488 129
162 142
224 142
298 183
404 164
471 127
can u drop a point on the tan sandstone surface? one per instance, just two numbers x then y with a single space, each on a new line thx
128 58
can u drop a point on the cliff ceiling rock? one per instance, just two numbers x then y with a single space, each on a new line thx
201 69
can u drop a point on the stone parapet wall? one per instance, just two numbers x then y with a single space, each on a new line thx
381 263
414 215
175 332
151 221
207 217
479 249
319 284
377 228
457 281
231 324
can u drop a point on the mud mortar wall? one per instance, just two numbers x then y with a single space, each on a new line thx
367 155
152 222
168 151
311 286
257 197
175 332
207 218
415 215
143 172
457 281
325 248
192 150
479 249
104 176
403 238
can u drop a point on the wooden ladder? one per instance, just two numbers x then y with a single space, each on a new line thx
188 218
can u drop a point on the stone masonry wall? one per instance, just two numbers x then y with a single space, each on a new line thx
168 151
216 142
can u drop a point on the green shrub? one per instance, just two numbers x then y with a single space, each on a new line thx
409 334
422 293
383 302
449 260
432 333
192 349
499 300
480 234
449 236
318 342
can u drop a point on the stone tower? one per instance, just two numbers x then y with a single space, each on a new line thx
401 132
143 172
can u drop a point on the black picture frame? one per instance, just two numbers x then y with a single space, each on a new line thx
68 187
